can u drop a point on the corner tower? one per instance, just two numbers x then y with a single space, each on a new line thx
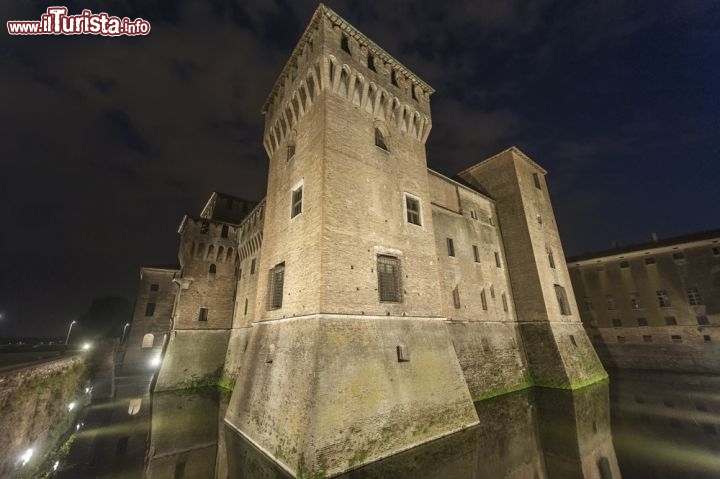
558 350
350 353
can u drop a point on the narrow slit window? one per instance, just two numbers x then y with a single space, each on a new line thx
252 266
296 202
456 297
380 140
275 288
371 62
497 260
476 253
290 151
389 279
694 297
393 78
345 44
562 300
504 302
224 232
203 314
483 300
213 269
536 181
551 258
150 309
450 246
246 306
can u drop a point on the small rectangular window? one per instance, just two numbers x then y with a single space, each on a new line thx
670 320
694 297
647 338
716 250
276 280
154 287
203 314
536 180
611 304
634 301
476 253
252 266
389 279
483 300
497 259
678 256
663 298
180 470
650 260
504 302
149 309
624 264
551 259
450 247
412 206
617 323
224 232
246 306
642 322
296 202
345 44
403 355
562 300
676 338
393 78
702 320
371 62
621 339
572 340
707 338
456 298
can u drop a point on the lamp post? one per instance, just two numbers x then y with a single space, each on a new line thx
69 330
122 338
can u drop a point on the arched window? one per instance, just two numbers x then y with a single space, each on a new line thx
148 341
213 269
380 139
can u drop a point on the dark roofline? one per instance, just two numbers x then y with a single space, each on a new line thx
675 240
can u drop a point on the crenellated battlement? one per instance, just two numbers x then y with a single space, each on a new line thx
333 56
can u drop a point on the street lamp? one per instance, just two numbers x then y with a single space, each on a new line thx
69 330
122 338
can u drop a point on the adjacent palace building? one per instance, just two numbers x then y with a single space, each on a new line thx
654 305
364 304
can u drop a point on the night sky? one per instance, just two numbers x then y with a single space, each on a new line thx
107 142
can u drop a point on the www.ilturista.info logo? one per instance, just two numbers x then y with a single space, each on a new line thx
57 22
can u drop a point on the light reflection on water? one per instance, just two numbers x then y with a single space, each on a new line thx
663 426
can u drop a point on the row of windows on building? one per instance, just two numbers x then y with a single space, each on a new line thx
669 321
648 338
678 256
205 228
663 298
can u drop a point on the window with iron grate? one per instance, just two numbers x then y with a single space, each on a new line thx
412 206
389 279
296 202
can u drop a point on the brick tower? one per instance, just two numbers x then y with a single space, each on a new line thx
349 359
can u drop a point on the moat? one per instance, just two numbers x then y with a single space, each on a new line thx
637 425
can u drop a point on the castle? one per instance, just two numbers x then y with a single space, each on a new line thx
364 304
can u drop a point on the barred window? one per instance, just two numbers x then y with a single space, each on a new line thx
611 304
412 206
476 253
450 246
634 301
275 287
670 321
562 300
642 322
456 298
204 227
663 298
694 297
617 323
647 338
389 279
296 202
380 140
702 320
154 287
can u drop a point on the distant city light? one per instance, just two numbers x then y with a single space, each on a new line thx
87 390
25 458
86 346
154 362
77 427
56 465
71 406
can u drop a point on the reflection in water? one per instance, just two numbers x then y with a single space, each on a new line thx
666 425
532 434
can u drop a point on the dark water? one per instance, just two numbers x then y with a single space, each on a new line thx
639 425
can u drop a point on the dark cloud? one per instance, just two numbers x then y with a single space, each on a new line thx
108 141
